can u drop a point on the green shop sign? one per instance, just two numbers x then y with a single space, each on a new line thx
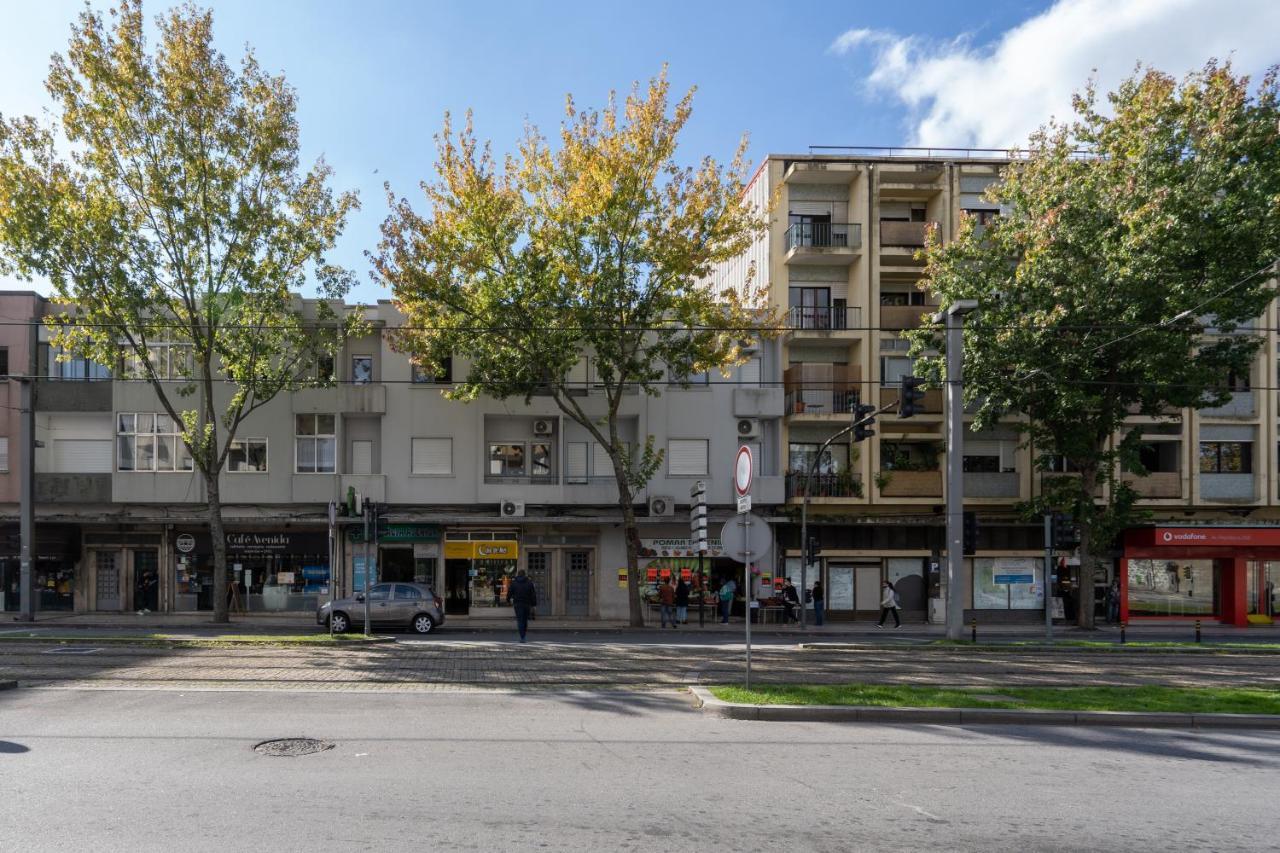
400 533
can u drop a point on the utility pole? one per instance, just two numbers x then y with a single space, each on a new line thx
368 569
27 513
954 318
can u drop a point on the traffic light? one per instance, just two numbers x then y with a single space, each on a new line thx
811 551
910 397
970 546
863 422
1066 533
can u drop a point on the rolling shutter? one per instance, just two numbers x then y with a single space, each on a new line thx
687 456
433 456
82 455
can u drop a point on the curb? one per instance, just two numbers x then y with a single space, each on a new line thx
192 641
8 685
1020 647
709 704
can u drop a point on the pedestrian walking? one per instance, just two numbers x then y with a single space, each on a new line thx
667 598
889 604
523 596
818 601
682 601
790 600
727 589
1113 601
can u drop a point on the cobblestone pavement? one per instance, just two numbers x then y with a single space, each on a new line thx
454 665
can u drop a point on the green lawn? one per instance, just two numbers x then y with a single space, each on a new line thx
1187 700
171 640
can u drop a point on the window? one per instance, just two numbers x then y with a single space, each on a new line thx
432 456
540 459
834 459
908 456
506 460
679 374
575 461
380 592
1237 382
63 365
988 456
1226 457
325 368
810 307
150 442
892 369
315 444
4 361
4 455
443 376
1160 457
247 456
1056 463
361 369
407 593
749 371
687 457
905 297
169 361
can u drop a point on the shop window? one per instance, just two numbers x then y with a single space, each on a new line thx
432 456
361 369
506 460
315 444
1226 457
150 442
443 376
247 455
1173 587
687 457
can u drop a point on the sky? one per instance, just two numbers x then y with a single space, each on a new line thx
374 78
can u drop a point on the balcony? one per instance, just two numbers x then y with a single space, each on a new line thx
371 487
930 405
529 480
991 484
823 243
1240 405
904 316
912 484
821 172
368 399
823 319
903 235
1158 484
1233 488
843 484
816 390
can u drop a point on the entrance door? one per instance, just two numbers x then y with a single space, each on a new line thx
457 587
907 576
107 580
539 567
146 579
577 583
866 594
396 564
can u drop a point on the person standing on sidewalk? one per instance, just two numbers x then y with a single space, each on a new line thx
889 604
523 596
727 589
817 596
667 598
682 602
790 601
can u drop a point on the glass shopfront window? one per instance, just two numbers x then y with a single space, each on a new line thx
1173 587
267 571
1008 583
53 581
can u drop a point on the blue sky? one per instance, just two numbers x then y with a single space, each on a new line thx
375 78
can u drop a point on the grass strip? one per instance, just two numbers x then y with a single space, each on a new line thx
171 640
1183 700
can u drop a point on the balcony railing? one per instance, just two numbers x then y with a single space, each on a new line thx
821 389
824 235
907 234
840 485
523 480
824 318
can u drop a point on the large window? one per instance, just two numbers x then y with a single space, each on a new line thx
1173 587
1160 457
169 361
247 456
315 444
149 442
361 369
892 369
1226 457
985 456
810 307
63 365
432 456
443 376
687 457
507 460
585 460
901 298
834 459
1008 583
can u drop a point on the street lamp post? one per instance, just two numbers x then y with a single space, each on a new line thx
954 320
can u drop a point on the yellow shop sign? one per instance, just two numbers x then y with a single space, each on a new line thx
487 549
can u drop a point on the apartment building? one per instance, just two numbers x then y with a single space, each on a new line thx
840 259
471 491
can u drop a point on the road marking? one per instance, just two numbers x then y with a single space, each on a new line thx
72 650
930 815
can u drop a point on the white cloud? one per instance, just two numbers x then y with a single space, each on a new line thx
960 94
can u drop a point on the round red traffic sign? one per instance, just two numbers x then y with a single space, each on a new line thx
742 465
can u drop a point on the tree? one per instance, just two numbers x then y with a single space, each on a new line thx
1134 245
177 229
597 248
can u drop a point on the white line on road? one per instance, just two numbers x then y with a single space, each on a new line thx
930 815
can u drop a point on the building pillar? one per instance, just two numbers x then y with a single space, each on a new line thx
1233 573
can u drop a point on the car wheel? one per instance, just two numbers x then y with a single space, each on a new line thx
339 624
423 624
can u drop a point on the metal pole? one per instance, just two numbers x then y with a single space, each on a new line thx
367 572
1048 561
702 592
955 473
333 562
746 573
27 515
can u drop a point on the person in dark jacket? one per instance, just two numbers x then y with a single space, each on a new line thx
523 596
819 601
682 601
791 601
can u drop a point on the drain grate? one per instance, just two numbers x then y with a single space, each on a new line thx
289 747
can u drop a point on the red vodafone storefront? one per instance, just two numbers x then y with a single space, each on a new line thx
1231 574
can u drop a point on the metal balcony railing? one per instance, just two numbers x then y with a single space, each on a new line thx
824 317
840 485
824 235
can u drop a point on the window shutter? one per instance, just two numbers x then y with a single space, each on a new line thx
82 455
433 456
687 456
601 464
575 464
749 373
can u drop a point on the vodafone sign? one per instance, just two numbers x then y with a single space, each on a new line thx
1191 537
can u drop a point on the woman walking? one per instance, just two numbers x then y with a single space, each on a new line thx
889 604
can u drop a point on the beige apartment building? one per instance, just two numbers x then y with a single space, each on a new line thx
840 258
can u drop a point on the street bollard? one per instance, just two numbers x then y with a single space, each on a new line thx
1122 627
974 626
1197 630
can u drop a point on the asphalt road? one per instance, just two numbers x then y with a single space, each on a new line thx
162 770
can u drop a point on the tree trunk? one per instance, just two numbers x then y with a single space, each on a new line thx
636 608
218 535
1084 591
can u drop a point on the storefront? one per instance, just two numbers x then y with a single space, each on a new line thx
408 553
269 571
53 571
479 567
677 559
1231 574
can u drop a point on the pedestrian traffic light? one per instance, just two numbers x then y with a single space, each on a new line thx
970 527
910 397
811 551
863 422
1066 533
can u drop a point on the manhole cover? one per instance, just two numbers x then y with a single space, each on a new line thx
73 650
291 746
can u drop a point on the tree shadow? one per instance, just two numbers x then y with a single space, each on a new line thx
9 747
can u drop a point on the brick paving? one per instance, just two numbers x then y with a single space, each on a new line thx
472 665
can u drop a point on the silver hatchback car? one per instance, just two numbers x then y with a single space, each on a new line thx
411 605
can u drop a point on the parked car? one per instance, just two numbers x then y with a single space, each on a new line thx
411 605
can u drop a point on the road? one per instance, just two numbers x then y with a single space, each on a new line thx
109 770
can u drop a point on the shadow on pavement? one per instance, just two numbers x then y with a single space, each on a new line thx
8 746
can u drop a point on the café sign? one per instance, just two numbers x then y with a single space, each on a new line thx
678 548
482 549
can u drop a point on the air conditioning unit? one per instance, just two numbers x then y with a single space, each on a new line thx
662 506
543 426
512 509
748 428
